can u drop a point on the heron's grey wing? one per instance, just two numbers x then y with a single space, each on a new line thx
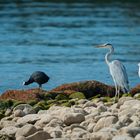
119 74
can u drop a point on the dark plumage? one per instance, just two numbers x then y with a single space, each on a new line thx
38 77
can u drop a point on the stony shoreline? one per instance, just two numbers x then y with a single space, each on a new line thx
69 115
87 120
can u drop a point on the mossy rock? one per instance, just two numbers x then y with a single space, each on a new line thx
62 101
67 104
41 105
137 96
51 102
18 103
4 104
106 99
50 96
62 96
126 95
78 95
73 102
32 102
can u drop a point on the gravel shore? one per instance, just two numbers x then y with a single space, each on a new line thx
87 120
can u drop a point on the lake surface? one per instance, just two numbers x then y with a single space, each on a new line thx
60 39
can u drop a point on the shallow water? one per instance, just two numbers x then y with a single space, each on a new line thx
59 39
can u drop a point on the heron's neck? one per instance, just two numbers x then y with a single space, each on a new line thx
107 56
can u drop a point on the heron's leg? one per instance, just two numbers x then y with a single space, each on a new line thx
116 91
119 91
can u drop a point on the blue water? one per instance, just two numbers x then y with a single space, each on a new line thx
59 39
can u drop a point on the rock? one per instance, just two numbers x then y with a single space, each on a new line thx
82 101
6 123
122 100
137 95
112 131
26 130
42 112
21 138
22 95
78 133
122 137
26 108
6 137
102 108
45 119
101 136
134 104
92 115
105 122
89 88
76 109
8 112
55 132
131 131
137 137
78 95
125 120
10 131
30 118
55 122
135 90
18 113
89 104
90 127
40 135
73 118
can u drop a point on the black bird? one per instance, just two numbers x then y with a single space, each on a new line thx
38 77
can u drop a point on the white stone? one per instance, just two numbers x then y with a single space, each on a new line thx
26 108
105 122
30 118
10 131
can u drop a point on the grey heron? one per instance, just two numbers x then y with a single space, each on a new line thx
117 71
38 77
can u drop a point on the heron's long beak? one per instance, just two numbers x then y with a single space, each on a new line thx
100 46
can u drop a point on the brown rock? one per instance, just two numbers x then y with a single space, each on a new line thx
135 90
89 88
22 95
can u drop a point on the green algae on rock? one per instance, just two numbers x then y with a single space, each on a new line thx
78 95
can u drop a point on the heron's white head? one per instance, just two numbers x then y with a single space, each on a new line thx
106 45
139 64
